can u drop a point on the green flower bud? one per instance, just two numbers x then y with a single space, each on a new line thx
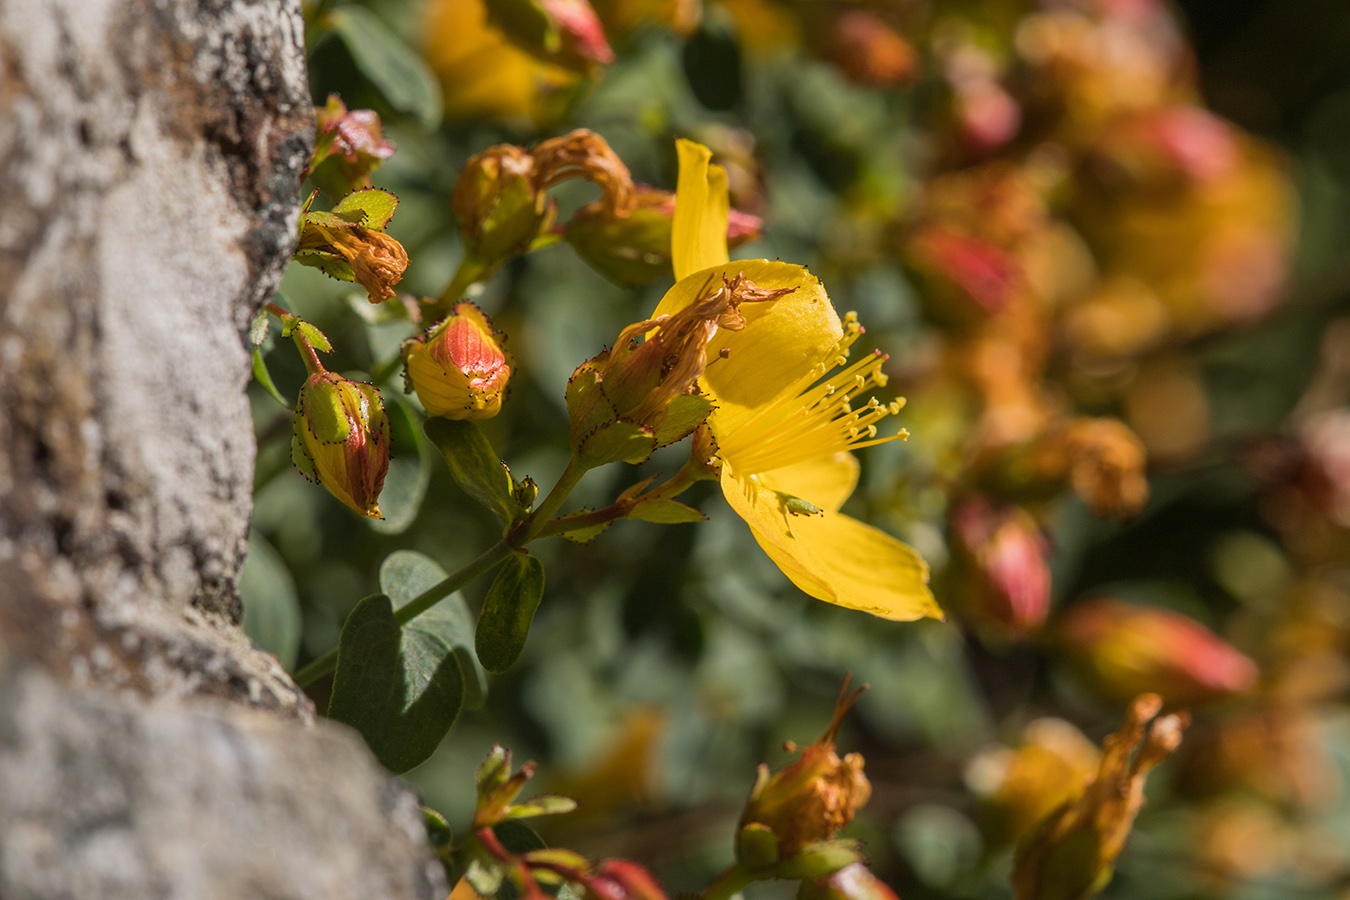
341 439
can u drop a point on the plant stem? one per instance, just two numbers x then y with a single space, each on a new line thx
469 271
488 560
727 884
534 525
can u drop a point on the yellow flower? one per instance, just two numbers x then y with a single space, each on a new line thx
783 434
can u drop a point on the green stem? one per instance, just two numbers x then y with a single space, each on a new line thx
730 882
533 527
418 605
489 559
469 271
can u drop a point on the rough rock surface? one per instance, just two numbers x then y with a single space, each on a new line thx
105 798
150 153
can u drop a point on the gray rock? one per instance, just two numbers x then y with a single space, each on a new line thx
150 156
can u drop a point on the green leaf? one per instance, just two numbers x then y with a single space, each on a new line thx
517 837
334 219
401 688
329 264
477 468
406 575
392 66
376 207
504 622
271 607
543 805
617 442
264 378
666 512
316 337
684 414
438 830
584 535
405 484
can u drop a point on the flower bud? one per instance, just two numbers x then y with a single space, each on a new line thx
813 798
500 208
341 439
348 146
457 367
633 250
567 33
1072 854
1024 785
501 197
638 382
1002 553
853 882
1126 649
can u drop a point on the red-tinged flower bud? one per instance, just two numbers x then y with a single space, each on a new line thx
1163 146
978 270
853 882
811 799
567 33
1125 649
341 439
457 367
1004 556
633 250
620 879
348 146
1071 855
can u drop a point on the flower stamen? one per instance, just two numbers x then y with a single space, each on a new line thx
810 422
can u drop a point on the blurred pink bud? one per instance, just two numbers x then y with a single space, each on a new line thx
989 117
1127 649
580 29
984 272
1181 141
1005 553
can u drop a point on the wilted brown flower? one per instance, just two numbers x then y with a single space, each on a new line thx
377 260
1072 854
813 798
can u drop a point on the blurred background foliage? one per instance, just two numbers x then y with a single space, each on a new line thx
1090 234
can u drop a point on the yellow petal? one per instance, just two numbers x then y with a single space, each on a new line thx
826 481
783 341
833 557
699 230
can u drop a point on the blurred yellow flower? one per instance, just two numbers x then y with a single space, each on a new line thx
482 74
783 440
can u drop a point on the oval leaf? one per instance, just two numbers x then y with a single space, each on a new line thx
504 623
401 688
391 65
476 467
406 575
